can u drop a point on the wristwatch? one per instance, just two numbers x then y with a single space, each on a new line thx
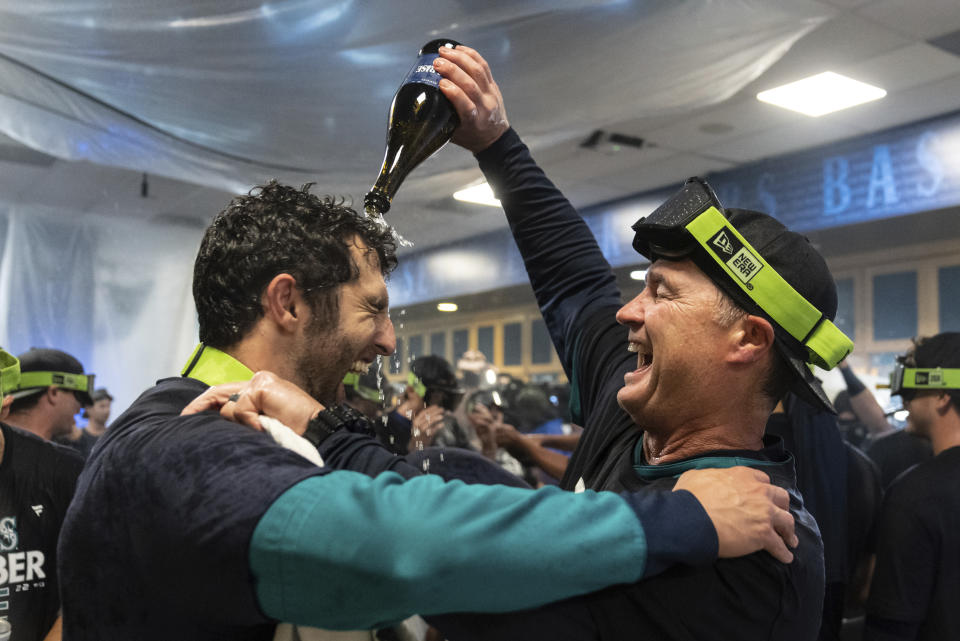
333 419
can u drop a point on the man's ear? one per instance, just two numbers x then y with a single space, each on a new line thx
944 401
750 339
50 394
5 406
282 302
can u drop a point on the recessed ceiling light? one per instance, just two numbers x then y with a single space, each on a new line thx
638 274
479 194
821 94
447 307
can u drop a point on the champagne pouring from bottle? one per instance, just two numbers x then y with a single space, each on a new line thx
421 121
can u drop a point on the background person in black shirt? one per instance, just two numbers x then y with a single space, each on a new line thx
916 586
37 480
896 452
97 415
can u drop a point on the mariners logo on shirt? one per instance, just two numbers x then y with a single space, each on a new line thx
8 534
22 568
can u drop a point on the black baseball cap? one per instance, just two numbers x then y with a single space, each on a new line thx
942 350
797 288
434 376
100 393
41 368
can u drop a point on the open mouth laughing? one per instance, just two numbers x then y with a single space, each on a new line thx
644 355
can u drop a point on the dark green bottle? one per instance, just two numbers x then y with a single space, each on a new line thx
421 122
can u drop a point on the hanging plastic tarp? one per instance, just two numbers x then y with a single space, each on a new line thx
228 93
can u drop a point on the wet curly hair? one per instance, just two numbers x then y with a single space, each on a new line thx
277 229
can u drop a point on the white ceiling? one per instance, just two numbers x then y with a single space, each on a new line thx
883 42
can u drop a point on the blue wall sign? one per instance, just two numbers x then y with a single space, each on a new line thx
900 171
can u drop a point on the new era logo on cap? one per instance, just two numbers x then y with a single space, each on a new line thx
742 262
928 378
722 242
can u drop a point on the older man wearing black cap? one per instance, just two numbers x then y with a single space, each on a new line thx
53 389
916 586
735 310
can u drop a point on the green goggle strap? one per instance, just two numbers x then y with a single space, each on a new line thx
9 373
75 382
414 381
929 378
352 379
825 343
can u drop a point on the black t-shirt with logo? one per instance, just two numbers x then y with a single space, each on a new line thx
37 480
915 592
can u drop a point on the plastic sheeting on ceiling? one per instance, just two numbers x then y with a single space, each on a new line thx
228 93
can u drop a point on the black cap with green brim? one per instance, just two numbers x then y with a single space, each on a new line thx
764 267
934 364
41 368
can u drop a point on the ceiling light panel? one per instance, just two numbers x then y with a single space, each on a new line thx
821 94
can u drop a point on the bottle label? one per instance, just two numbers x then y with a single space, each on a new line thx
423 71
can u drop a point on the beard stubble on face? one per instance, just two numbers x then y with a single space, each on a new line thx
321 362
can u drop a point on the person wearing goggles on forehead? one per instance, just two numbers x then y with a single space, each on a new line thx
53 389
424 416
37 480
916 584
735 311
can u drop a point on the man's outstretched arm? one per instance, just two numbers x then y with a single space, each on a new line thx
567 270
346 551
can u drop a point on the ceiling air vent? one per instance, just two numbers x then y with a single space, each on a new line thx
611 142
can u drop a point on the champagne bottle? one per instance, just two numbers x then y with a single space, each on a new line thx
421 121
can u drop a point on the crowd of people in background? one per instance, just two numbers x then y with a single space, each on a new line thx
846 462
438 413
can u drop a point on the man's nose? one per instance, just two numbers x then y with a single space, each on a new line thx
632 312
386 339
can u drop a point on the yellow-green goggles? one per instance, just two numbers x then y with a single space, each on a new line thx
9 373
65 380
904 379
694 220
352 380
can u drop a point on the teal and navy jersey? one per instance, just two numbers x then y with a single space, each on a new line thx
37 480
198 528
754 597
751 597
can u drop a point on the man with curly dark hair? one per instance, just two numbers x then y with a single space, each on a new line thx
315 247
192 527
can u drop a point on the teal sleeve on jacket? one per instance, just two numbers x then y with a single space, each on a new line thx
346 551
